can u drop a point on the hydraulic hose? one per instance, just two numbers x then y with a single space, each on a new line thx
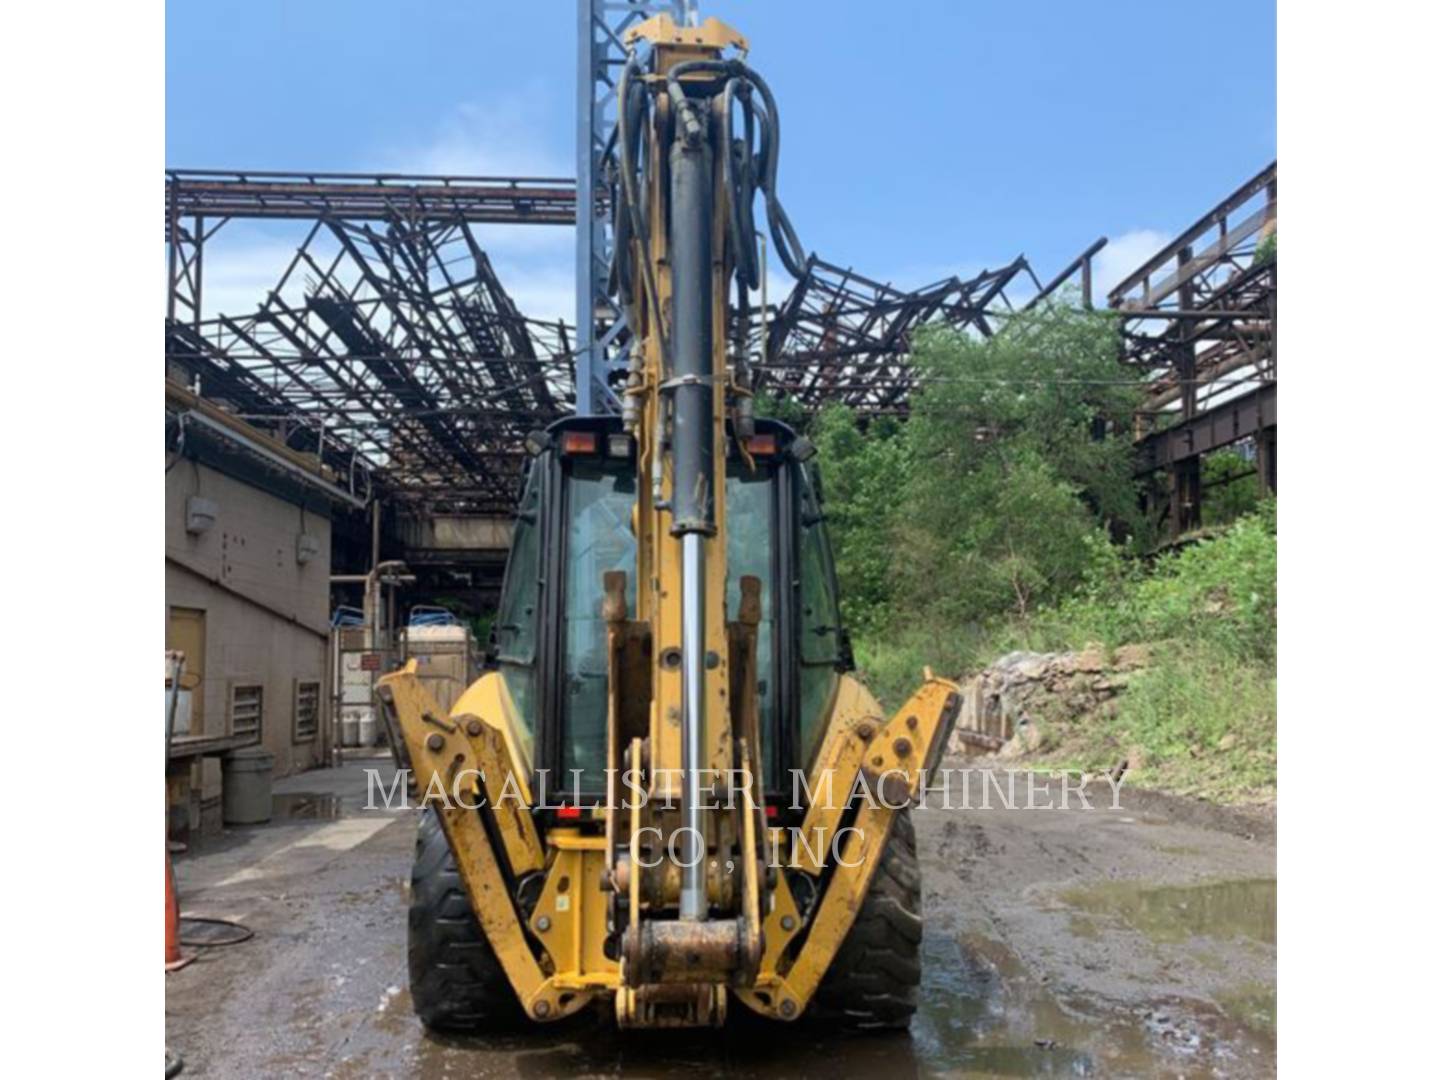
787 242
687 344
745 168
628 143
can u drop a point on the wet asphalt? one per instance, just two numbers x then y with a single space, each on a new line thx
1131 942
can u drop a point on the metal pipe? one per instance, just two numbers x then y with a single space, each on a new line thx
691 378
692 498
177 669
693 901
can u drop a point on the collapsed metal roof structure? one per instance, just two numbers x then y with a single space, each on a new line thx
840 337
1198 324
389 347
383 341
388 344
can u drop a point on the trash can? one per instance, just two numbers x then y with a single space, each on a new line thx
245 786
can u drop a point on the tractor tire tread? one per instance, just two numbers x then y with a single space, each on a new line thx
874 980
456 981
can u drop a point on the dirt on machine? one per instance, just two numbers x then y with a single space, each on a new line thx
671 796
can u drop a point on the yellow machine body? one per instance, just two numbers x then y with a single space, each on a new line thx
608 920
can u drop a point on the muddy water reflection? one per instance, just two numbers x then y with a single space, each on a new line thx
305 806
985 1015
1175 913
982 1013
591 1047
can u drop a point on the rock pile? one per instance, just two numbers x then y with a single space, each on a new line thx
1007 706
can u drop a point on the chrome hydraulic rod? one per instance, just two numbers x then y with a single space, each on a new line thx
694 904
693 439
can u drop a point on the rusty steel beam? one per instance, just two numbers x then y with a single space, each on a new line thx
1242 417
389 343
1137 290
1082 264
1197 321
213 194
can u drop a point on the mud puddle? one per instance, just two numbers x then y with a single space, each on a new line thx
982 1013
304 806
1171 914
985 1014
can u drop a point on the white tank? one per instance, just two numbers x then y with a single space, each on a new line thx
350 727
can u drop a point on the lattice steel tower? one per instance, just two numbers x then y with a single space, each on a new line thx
600 326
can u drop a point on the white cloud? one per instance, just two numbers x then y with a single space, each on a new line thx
1123 255
242 263
509 136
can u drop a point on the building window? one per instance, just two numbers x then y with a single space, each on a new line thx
247 709
307 710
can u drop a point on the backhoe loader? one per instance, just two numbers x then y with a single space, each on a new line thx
671 795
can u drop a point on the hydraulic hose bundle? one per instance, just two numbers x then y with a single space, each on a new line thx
665 147
751 164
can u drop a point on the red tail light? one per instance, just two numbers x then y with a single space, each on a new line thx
761 445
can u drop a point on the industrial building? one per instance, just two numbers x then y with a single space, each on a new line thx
247 595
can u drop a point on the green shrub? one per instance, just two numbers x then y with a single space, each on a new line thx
864 474
1221 591
987 522
1203 721
1232 488
1008 478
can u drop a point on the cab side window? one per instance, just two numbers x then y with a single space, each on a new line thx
819 618
599 537
517 620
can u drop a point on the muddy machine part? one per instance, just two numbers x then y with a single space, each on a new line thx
671 795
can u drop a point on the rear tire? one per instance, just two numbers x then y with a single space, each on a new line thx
874 981
456 981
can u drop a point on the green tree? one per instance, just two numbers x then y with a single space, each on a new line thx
866 472
785 409
1011 474
1232 489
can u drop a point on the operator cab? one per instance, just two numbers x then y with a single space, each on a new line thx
575 522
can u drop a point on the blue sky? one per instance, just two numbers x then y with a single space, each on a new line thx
921 137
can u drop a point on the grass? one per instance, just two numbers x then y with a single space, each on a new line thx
1199 721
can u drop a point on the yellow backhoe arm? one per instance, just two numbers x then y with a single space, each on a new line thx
887 767
460 764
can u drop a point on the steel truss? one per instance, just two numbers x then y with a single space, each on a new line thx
388 345
201 193
601 327
842 337
1198 322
